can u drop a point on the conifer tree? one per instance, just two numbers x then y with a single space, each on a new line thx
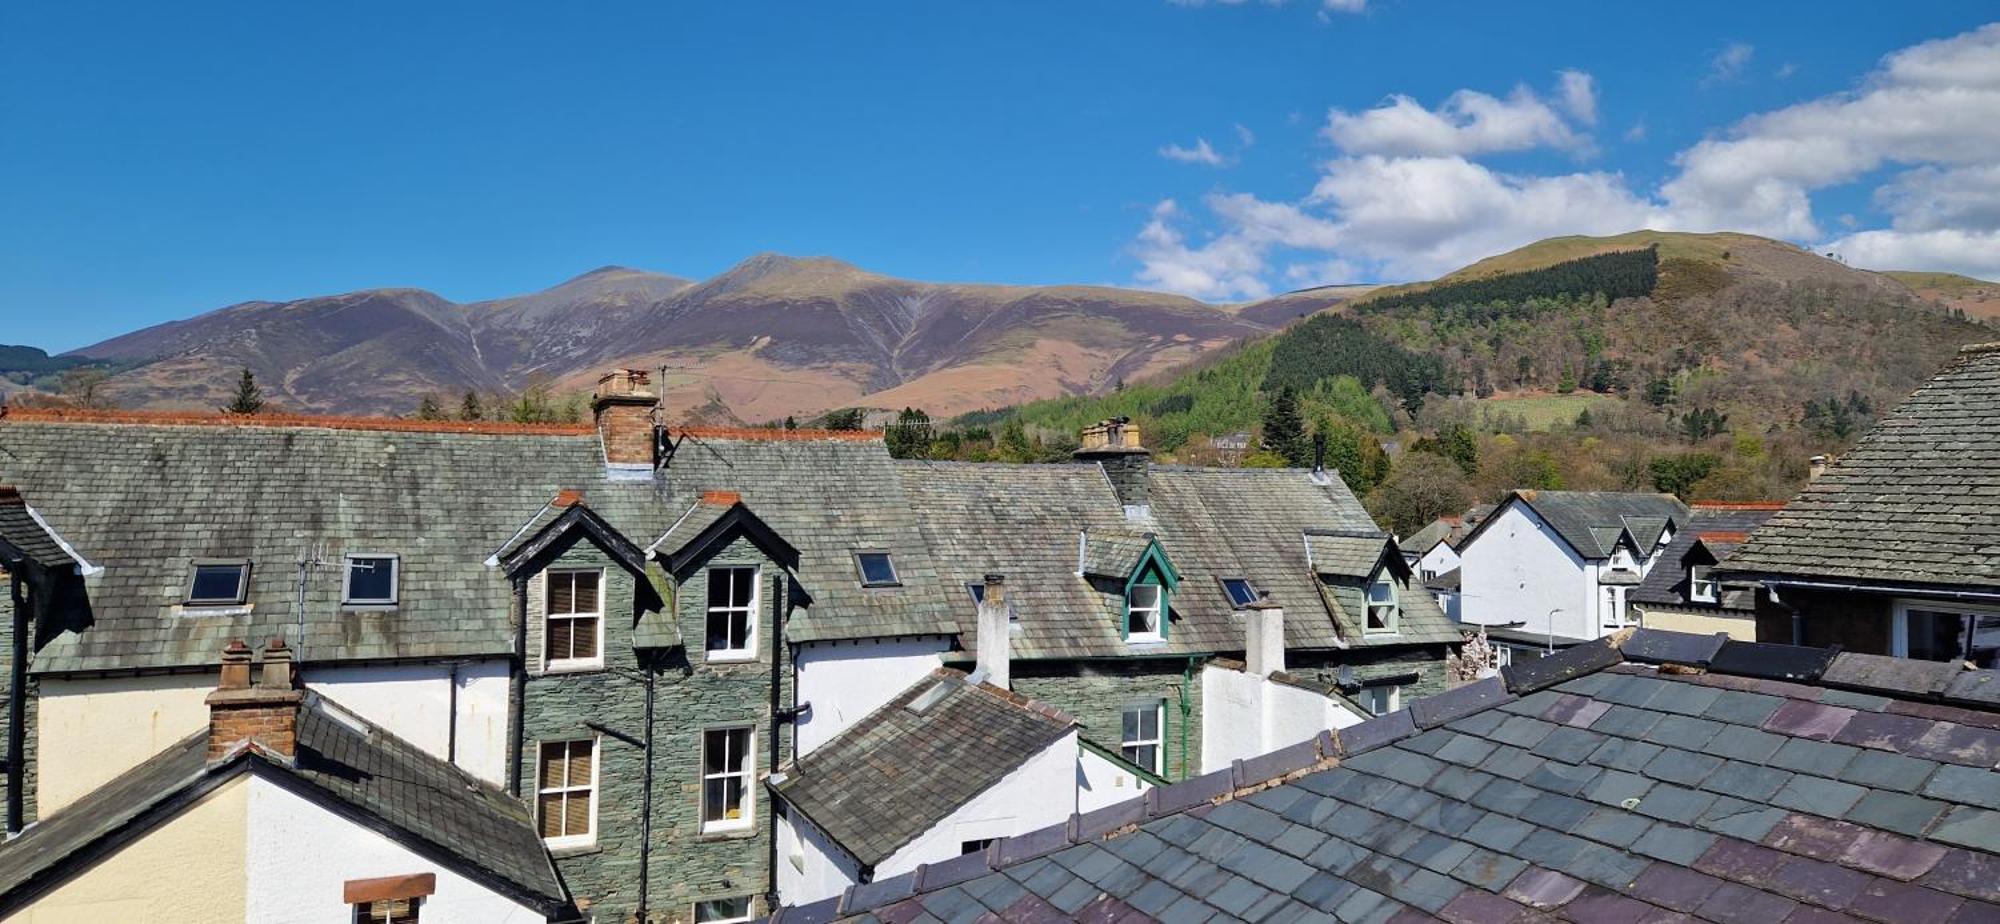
249 398
470 408
428 409
1285 429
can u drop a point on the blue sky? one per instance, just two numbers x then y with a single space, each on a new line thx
157 161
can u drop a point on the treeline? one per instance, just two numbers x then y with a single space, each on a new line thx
1621 274
1333 345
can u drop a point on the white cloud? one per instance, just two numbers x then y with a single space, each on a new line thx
1226 268
1244 136
1728 64
1637 132
1469 122
1578 95
1973 253
1201 153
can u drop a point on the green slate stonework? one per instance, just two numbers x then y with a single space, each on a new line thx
1096 693
1426 661
691 695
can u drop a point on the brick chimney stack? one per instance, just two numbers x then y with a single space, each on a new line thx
266 713
1263 637
623 408
993 636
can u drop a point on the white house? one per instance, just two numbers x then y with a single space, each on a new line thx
1255 707
1553 568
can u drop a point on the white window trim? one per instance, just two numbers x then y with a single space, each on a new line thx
347 597
895 575
756 605
559 665
1394 624
569 841
749 904
1158 741
1157 609
1697 577
1899 625
749 774
242 585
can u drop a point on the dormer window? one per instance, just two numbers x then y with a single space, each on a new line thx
1701 587
877 569
1240 592
1382 607
371 580
218 583
1144 608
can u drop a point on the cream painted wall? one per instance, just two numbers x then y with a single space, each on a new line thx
414 703
189 869
1653 616
1244 715
91 730
1101 782
1039 793
810 867
300 854
845 681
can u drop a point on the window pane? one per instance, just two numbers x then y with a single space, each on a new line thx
1145 755
586 591
722 909
580 757
562 594
576 815
583 637
218 582
554 759
742 583
559 643
551 813
1131 730
1935 636
1240 592
371 579
876 568
739 629
1149 722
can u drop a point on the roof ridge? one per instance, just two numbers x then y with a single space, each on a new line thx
773 434
11 414
1990 346
1677 653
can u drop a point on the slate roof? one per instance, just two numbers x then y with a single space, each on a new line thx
1916 501
1592 521
897 772
25 535
1439 530
1719 528
1022 521
1590 786
434 808
1113 553
1354 555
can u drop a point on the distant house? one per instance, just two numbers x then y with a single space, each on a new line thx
1892 550
1553 568
1683 593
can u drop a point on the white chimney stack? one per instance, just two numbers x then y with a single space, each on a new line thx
993 638
1263 637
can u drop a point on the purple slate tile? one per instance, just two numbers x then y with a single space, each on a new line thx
1819 882
1975 911
1031 909
1475 907
1598 906
1885 674
1974 875
1939 712
1742 861
1958 744
1675 887
1807 914
1739 904
1904 903
1883 731
1813 836
1576 711
902 912
1888 855
1799 719
1544 888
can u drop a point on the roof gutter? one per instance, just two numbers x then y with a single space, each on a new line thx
1850 587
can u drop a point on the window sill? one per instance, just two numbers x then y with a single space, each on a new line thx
580 849
359 607
572 667
212 609
735 832
729 657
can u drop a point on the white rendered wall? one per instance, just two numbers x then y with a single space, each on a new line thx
1039 793
413 702
1518 570
299 855
1244 715
1101 782
92 729
810 868
845 681
1440 559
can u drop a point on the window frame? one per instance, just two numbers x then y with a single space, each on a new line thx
888 559
749 910
242 566
1698 575
748 649
589 837
416 915
1393 624
395 561
1899 627
1248 588
559 665
747 811
1158 708
1159 610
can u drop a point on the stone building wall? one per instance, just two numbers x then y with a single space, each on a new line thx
1097 692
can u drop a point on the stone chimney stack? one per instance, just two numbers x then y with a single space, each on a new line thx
623 408
994 634
1263 637
1114 444
266 713
1815 467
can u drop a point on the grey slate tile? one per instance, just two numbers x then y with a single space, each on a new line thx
1894 811
1818 796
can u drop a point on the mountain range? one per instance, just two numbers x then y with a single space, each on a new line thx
771 337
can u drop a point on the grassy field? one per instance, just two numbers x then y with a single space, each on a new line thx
1543 411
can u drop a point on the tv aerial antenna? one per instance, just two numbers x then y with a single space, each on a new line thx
317 558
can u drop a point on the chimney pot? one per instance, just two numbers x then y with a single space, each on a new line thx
267 714
993 635
235 666
1263 637
623 408
1815 467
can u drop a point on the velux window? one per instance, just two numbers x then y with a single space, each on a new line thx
371 579
877 570
1139 734
391 911
566 792
726 766
1144 604
574 627
218 583
1382 604
732 612
1241 594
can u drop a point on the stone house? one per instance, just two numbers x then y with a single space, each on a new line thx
1890 550
627 627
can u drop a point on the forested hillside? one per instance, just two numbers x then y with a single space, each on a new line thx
1715 372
